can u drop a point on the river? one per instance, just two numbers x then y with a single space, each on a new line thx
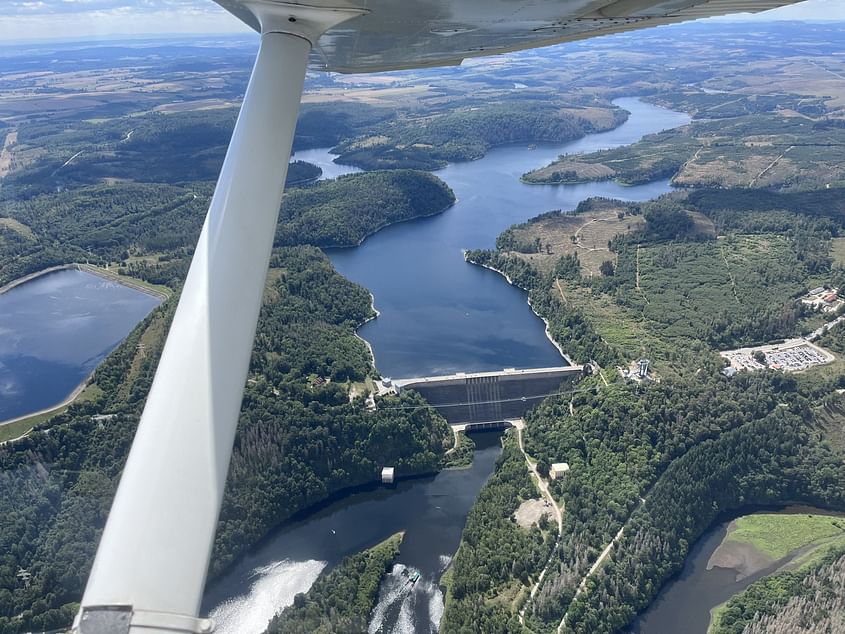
432 512
55 330
438 314
688 598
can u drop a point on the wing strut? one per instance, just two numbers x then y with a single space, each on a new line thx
151 564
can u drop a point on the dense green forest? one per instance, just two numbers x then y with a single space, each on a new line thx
642 455
342 600
465 134
297 441
767 596
344 211
496 554
812 603
150 228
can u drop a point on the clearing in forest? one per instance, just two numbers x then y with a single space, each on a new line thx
543 241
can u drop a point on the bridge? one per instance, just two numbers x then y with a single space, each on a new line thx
487 400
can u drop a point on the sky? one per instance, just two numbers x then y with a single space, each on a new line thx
62 19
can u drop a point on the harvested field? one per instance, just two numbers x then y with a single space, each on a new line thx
585 234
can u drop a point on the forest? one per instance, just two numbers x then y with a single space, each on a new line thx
496 555
641 455
150 229
340 601
765 598
722 151
465 134
344 211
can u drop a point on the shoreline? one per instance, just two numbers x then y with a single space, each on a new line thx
70 398
530 305
375 314
385 225
105 274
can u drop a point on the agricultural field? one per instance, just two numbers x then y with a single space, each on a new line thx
543 241
771 150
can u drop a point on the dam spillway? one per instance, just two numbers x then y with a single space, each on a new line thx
485 397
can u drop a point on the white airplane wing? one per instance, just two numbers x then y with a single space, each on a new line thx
398 34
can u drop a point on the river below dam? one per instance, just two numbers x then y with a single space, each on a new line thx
438 315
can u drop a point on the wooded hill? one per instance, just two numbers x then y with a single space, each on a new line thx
665 460
342 600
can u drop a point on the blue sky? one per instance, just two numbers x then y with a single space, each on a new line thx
36 19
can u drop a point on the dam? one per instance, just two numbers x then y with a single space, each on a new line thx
482 398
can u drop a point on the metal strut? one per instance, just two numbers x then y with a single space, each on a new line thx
151 564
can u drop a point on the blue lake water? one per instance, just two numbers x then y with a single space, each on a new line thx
441 315
54 330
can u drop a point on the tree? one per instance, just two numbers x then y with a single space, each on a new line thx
607 269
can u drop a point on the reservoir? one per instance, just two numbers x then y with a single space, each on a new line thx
438 314
55 330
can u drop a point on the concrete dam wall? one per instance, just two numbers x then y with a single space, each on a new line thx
489 396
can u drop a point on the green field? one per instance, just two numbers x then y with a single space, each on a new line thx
776 535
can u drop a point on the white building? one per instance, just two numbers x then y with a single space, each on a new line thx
387 475
558 470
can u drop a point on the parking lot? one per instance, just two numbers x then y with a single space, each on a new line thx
793 355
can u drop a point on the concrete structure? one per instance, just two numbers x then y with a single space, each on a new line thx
643 368
388 475
558 470
489 397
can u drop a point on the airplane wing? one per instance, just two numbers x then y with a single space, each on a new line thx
401 34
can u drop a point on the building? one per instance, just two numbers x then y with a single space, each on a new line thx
643 368
387 475
558 470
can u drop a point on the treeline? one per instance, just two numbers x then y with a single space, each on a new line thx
151 228
771 460
495 554
617 441
738 290
103 224
172 148
56 488
342 600
817 608
765 598
665 459
300 172
344 211
568 326
298 441
463 135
